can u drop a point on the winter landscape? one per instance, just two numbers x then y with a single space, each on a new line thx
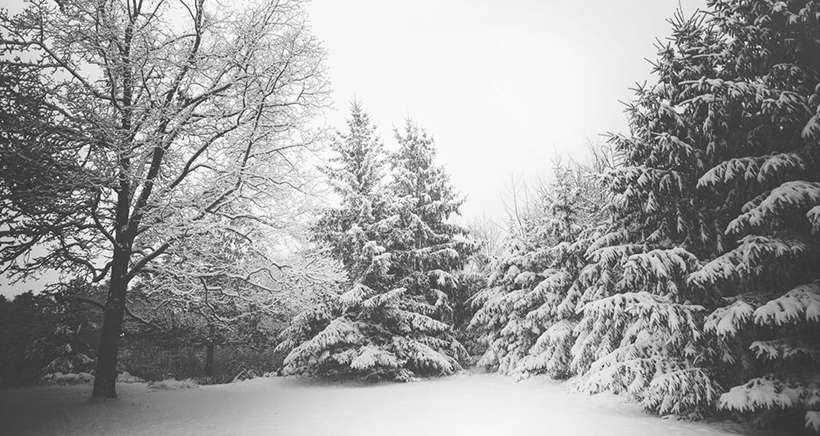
439 218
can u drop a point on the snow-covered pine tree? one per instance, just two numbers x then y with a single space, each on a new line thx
763 131
640 328
523 319
356 173
392 323
426 250
575 221
499 317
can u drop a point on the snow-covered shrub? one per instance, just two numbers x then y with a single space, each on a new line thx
69 361
70 378
173 385
644 345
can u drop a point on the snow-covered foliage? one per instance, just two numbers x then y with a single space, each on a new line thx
759 110
526 314
799 305
400 251
729 320
705 274
173 385
70 378
644 345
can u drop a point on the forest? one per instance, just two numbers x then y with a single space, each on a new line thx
166 163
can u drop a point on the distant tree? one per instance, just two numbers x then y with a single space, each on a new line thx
488 236
426 246
47 332
356 173
158 117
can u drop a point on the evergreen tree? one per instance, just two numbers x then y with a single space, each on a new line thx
426 248
575 222
721 164
640 327
356 174
393 323
763 171
526 312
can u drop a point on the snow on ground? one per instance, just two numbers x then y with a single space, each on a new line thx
473 405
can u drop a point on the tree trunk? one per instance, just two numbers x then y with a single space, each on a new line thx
209 354
105 376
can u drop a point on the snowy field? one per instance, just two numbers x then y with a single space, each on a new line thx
472 405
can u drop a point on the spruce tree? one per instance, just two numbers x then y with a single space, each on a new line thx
356 174
640 328
575 222
764 173
720 166
393 323
526 312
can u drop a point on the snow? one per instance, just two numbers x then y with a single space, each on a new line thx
475 405
728 320
761 393
796 195
802 302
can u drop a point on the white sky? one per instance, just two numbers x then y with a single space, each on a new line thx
503 86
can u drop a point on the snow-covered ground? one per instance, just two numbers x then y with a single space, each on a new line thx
472 405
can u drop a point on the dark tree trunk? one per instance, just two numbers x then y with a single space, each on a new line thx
209 353
105 376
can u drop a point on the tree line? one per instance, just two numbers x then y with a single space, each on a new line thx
683 272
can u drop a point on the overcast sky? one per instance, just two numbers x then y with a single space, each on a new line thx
503 86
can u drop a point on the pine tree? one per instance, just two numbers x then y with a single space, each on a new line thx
640 323
393 323
575 222
525 315
720 166
764 173
356 174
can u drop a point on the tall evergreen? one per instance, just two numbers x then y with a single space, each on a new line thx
763 131
640 329
356 173
427 248
394 321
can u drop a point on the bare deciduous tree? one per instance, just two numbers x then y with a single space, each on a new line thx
152 122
